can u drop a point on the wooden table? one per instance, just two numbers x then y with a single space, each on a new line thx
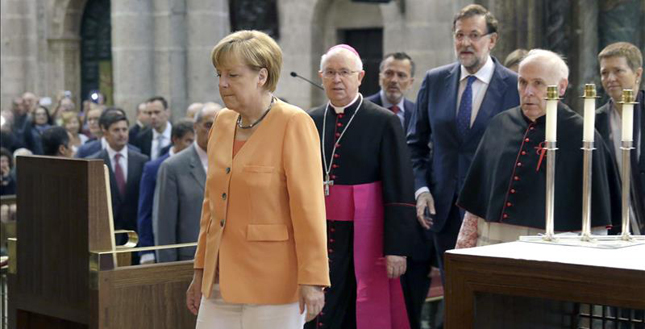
614 277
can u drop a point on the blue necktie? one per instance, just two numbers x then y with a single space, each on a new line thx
465 109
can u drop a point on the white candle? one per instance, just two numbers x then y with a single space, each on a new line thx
551 119
590 118
628 122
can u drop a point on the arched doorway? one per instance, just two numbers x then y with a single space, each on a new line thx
336 22
96 50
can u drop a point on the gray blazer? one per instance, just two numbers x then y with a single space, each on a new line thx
178 199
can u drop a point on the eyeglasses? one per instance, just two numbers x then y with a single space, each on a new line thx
473 36
343 73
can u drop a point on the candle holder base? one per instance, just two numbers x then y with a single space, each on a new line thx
596 241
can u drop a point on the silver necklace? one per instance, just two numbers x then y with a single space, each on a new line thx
328 182
239 118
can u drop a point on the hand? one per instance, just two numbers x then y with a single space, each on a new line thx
194 292
424 201
396 266
312 297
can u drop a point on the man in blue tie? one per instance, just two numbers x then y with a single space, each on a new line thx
454 105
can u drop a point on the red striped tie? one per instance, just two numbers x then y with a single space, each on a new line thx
118 174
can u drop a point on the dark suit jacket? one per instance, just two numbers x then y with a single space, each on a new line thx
124 207
146 197
444 167
94 146
407 111
134 132
638 163
144 141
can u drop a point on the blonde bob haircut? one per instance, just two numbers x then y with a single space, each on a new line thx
255 49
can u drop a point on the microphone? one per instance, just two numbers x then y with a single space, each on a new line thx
295 75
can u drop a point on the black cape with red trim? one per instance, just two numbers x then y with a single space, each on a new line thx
373 149
506 182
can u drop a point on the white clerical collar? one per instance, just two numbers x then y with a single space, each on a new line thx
203 156
485 73
341 109
112 152
166 132
387 104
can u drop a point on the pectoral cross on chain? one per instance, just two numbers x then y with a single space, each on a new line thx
327 184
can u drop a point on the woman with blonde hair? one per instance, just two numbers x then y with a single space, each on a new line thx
72 123
261 259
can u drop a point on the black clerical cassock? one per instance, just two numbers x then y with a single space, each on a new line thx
506 182
370 213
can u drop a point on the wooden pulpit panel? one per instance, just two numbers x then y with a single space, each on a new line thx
62 212
146 297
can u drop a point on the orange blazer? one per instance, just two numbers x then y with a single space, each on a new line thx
263 215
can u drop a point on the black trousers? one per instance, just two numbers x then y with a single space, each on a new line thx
415 283
447 237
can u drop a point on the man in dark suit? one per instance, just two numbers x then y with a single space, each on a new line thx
183 135
154 138
395 78
621 67
93 146
143 120
125 167
180 192
454 105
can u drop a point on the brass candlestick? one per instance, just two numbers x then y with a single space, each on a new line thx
587 147
552 96
626 147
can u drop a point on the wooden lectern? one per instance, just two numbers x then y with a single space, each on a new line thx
506 285
63 272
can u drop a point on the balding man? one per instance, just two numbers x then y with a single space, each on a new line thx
369 201
504 192
179 193
193 109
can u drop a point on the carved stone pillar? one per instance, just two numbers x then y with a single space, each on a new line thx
132 53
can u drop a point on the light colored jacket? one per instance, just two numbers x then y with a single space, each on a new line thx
263 218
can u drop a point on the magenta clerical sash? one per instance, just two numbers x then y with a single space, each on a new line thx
379 302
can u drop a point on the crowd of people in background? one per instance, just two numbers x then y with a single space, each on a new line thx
158 167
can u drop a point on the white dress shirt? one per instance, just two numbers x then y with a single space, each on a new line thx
401 105
163 138
123 161
484 75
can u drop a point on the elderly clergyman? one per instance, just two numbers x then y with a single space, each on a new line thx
504 191
369 201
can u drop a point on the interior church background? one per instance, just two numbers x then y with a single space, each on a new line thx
130 50
133 49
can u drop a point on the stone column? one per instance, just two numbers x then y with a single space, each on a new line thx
15 35
170 53
583 64
207 22
132 53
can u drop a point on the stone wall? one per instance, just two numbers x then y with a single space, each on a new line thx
162 47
